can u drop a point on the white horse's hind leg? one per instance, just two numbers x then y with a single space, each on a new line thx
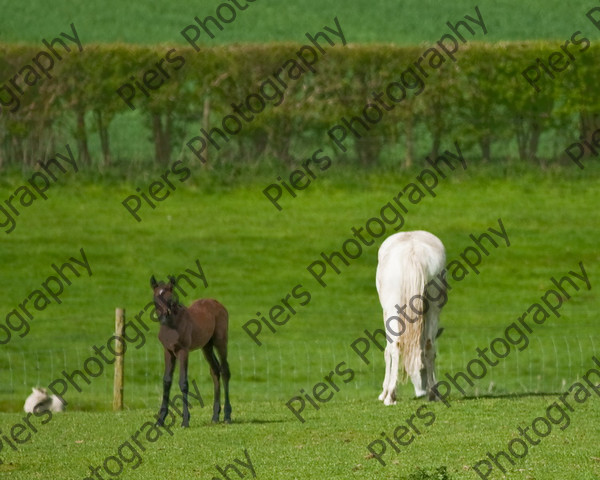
394 357
419 375
386 379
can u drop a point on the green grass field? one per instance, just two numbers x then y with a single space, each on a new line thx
332 445
253 256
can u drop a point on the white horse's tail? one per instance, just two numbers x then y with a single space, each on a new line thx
411 303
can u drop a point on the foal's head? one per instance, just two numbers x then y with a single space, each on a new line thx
165 301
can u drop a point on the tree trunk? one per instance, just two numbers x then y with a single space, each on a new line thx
534 139
81 138
368 149
104 138
521 134
485 142
437 142
161 138
410 143
205 122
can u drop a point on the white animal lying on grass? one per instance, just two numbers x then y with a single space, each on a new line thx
40 401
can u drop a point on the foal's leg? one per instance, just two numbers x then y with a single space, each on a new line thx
222 350
183 385
167 380
215 373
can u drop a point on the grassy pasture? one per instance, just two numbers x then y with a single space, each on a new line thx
253 256
332 445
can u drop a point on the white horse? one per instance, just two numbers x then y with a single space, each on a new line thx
409 264
40 401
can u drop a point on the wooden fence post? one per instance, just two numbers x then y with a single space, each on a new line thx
119 359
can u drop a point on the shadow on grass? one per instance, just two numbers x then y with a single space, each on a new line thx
260 421
492 395
245 421
513 395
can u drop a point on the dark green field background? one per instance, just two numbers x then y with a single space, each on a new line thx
381 21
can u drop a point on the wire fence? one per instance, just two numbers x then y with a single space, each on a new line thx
277 371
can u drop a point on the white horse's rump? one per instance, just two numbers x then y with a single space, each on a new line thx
407 262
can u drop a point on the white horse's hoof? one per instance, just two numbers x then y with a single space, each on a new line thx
381 396
420 393
388 401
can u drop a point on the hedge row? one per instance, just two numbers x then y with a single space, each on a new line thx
481 99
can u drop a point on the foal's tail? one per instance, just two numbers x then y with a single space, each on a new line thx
412 291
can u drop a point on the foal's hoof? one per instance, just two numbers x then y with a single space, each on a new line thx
227 420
